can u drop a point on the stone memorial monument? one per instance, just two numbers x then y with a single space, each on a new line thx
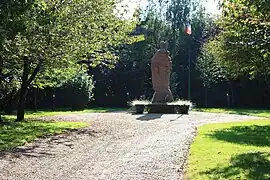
162 101
161 67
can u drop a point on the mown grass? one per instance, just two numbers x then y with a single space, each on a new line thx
14 134
231 151
42 113
251 112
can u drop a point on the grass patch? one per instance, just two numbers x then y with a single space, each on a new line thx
14 134
250 112
42 113
231 151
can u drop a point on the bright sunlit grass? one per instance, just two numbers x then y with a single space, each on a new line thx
14 134
231 151
43 113
250 112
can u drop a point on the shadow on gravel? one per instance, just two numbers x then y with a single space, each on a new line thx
44 147
149 117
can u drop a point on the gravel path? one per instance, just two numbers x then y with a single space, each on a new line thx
115 146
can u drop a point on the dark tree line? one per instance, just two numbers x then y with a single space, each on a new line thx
222 75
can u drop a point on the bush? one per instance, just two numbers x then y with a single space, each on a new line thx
77 91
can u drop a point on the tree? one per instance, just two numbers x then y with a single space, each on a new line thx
132 72
79 89
211 72
215 61
242 46
55 34
245 37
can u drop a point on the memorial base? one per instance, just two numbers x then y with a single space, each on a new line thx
162 108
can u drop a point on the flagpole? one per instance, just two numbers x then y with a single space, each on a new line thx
189 75
189 32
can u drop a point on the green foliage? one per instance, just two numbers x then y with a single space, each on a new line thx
79 89
231 151
43 39
210 71
55 77
17 134
8 87
243 45
139 102
57 33
84 84
146 102
181 102
163 20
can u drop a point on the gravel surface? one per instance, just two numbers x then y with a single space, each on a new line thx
115 146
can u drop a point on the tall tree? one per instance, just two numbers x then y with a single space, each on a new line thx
242 46
54 34
244 39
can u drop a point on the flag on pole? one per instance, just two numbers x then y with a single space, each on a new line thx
188 29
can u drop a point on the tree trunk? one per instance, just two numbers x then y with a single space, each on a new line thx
53 100
23 92
261 91
232 94
205 96
24 88
267 92
35 99
21 102
8 104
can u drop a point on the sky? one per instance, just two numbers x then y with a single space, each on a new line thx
210 5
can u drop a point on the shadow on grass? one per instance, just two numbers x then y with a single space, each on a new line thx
49 112
251 112
254 165
250 135
14 134
45 147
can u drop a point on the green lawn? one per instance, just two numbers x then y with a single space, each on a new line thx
250 112
42 113
231 151
14 134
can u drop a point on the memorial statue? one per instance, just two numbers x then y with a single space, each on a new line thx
161 67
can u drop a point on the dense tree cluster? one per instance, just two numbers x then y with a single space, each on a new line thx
41 42
241 48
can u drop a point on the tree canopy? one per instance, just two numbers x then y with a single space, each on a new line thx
43 38
243 43
41 42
